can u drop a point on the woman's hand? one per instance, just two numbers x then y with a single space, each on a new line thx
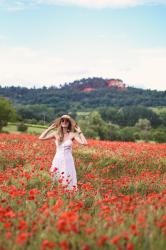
77 128
52 126
80 138
44 135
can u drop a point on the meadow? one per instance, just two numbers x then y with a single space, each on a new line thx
32 128
120 202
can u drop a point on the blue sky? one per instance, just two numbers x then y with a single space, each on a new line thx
50 42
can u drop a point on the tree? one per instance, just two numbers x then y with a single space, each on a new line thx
127 134
109 114
163 117
130 115
114 131
7 113
94 126
143 124
39 112
159 136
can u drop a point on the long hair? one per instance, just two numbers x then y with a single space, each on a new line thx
60 132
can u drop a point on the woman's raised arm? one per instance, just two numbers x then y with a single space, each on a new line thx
44 135
79 137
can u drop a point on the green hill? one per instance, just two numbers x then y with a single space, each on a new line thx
113 102
85 95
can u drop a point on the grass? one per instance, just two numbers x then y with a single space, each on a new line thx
11 128
37 129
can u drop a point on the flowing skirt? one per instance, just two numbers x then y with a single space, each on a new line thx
63 170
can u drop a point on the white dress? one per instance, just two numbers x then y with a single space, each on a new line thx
63 167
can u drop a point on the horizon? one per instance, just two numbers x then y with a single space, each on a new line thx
53 42
62 84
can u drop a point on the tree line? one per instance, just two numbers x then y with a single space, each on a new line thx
111 113
72 97
107 123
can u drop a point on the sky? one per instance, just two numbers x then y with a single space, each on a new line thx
52 42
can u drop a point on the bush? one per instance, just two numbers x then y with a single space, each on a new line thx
127 134
159 136
115 135
94 126
22 127
145 135
7 113
137 135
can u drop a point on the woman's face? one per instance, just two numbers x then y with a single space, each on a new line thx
64 122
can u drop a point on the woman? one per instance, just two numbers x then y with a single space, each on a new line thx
63 167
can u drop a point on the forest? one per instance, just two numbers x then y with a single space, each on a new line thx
120 110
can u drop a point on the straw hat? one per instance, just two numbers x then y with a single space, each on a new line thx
57 121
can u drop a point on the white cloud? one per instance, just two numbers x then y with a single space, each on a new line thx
104 3
150 68
27 67
144 68
15 5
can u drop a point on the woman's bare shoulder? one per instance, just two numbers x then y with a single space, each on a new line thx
56 134
72 135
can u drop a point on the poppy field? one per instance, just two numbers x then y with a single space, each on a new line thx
120 202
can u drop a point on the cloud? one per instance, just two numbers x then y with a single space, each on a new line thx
149 69
144 68
16 5
104 3
28 67
24 66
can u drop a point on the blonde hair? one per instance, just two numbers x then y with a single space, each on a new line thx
60 132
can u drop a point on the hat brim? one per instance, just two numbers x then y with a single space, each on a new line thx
56 122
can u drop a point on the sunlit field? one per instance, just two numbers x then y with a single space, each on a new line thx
120 202
32 129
